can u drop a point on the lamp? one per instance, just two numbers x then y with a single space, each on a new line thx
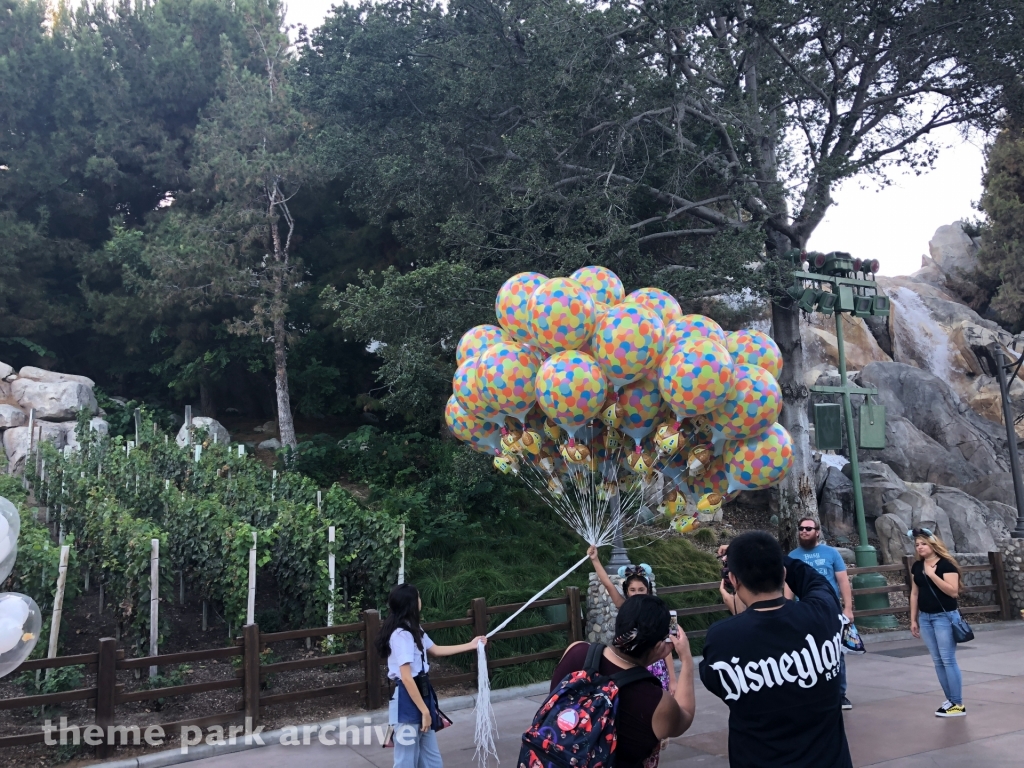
862 306
827 302
809 299
880 306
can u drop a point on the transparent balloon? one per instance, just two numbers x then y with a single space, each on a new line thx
20 624
10 526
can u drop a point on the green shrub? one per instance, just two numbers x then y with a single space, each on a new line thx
705 536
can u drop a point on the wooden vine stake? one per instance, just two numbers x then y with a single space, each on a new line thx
250 611
330 576
401 555
58 603
154 602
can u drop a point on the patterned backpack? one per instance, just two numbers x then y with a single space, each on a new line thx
575 727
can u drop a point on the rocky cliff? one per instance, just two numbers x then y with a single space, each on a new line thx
945 464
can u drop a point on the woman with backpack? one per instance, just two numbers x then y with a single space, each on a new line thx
645 713
414 715
635 581
933 607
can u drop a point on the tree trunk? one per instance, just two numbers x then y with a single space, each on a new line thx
206 404
285 425
797 494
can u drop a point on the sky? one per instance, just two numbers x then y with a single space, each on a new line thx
892 224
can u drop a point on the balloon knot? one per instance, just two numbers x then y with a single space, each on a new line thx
572 441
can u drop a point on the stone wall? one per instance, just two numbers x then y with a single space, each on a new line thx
601 611
1013 560
981 578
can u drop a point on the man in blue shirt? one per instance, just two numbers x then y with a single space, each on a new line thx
829 563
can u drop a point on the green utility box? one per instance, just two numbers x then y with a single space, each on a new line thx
846 299
828 426
872 426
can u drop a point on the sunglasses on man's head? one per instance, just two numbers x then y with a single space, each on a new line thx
807 528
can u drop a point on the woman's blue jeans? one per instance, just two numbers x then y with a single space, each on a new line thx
414 749
937 633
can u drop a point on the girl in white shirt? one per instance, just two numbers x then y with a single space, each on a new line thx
413 710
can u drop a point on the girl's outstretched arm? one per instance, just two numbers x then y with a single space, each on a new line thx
451 650
602 574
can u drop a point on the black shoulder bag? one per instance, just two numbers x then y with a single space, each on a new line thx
962 632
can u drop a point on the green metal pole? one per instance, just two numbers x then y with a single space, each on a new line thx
866 554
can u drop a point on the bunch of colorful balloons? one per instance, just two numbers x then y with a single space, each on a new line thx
579 379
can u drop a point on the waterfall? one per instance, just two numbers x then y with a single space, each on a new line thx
918 336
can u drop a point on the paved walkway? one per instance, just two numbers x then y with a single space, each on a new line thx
893 687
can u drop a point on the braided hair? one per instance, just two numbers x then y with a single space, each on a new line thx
641 624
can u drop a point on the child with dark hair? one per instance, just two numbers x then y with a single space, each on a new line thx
646 713
635 582
776 662
413 711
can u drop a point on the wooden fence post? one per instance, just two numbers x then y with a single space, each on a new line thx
999 581
371 623
572 606
106 690
479 613
908 564
251 672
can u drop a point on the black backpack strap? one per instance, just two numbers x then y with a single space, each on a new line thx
630 676
594 654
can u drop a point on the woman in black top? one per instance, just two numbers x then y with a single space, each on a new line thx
932 596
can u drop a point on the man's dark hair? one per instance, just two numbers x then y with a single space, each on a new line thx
756 559
803 520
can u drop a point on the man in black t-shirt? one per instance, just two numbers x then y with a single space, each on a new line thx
776 662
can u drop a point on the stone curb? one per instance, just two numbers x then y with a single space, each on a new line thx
452 704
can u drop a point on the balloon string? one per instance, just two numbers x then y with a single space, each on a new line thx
534 599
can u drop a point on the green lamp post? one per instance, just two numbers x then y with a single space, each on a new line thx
857 296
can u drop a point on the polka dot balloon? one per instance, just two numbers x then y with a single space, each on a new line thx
506 372
477 339
753 404
466 386
640 402
714 480
695 377
571 389
603 284
690 327
600 311
755 348
662 302
510 306
628 341
480 435
562 315
759 462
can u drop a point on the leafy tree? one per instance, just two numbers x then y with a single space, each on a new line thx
513 133
99 103
232 238
1002 244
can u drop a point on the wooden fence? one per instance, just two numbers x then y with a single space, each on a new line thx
108 659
